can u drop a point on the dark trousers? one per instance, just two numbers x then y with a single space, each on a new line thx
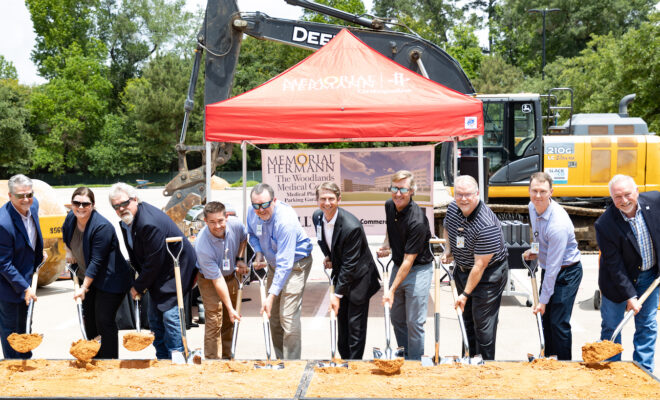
482 309
12 320
557 316
99 312
351 329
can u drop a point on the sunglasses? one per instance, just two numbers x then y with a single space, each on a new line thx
401 190
263 206
23 195
122 204
83 204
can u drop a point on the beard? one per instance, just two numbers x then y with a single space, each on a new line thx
127 217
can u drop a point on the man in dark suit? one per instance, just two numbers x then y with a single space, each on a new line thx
145 229
21 251
344 244
628 235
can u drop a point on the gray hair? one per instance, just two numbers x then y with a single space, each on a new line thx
260 188
620 177
18 180
120 187
404 174
467 179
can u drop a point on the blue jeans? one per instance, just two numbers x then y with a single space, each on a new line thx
12 319
165 326
408 313
646 326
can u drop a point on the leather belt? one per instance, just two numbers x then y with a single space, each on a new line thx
570 265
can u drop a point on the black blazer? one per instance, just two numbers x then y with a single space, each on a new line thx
105 263
354 272
620 258
150 258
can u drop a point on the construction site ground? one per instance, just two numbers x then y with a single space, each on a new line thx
55 312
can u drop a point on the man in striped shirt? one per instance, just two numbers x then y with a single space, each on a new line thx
476 245
628 235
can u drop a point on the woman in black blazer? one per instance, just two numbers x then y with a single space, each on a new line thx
91 243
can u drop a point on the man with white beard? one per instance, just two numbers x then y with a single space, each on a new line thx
145 229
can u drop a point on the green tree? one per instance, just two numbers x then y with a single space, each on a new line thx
14 116
351 6
431 19
7 69
464 47
496 76
116 151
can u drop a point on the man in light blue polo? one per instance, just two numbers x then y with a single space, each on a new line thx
219 247
277 237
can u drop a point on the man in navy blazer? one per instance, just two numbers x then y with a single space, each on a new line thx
21 251
628 235
145 229
344 244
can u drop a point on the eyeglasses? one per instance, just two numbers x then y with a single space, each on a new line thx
122 204
464 195
83 204
263 206
401 190
23 195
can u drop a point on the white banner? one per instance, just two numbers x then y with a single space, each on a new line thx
364 176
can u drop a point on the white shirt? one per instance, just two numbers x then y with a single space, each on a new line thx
329 229
30 227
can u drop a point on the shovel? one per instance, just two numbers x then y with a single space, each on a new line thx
187 357
333 330
388 354
266 323
28 341
436 247
601 351
242 280
85 349
535 293
137 341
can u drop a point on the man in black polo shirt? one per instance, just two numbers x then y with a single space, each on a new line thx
476 245
408 235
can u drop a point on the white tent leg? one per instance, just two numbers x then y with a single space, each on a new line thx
480 157
208 172
244 165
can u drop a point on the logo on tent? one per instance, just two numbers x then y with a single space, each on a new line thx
470 122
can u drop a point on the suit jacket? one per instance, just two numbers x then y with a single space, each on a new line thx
103 258
150 258
620 258
17 259
354 272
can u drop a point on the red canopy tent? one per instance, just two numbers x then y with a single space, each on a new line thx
345 91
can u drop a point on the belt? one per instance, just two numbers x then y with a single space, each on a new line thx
494 265
570 265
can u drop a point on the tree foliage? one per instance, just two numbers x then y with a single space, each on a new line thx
496 76
14 138
431 19
7 69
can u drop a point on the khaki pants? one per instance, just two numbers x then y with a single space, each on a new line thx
287 307
218 329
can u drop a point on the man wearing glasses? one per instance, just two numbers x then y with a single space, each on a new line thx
21 251
408 235
279 241
145 229
476 244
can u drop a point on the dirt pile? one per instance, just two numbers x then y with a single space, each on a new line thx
389 366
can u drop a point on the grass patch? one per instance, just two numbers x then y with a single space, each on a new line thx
239 183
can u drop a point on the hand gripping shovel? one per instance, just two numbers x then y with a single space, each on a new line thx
333 331
602 350
388 354
266 323
187 357
535 293
28 341
84 349
136 341
242 280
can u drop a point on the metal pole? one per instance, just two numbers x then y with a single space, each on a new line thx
543 13
209 173
244 164
480 157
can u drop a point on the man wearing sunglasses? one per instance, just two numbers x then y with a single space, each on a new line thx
279 240
21 251
407 237
145 229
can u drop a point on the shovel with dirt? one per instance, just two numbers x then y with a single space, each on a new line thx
187 357
532 268
387 361
136 341
28 341
84 349
269 364
600 351
334 361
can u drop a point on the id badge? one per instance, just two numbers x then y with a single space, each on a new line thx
319 234
259 229
460 242
225 265
535 248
